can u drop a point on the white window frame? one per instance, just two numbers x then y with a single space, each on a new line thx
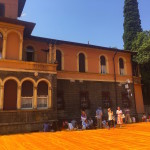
26 99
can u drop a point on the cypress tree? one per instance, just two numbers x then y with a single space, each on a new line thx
132 22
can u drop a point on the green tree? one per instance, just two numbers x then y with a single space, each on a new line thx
141 45
132 22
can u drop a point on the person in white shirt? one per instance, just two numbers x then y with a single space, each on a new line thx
110 118
119 116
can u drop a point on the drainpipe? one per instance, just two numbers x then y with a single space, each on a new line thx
133 87
115 77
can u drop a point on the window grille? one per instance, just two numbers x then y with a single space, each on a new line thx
26 102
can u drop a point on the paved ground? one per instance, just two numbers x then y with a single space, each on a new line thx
133 136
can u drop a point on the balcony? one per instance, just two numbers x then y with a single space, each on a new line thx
26 66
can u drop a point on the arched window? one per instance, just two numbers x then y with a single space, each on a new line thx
29 53
103 65
27 95
59 59
81 62
121 66
2 10
42 92
1 45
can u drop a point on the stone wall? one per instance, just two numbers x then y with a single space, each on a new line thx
71 90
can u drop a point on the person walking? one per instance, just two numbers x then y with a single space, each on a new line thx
119 116
99 117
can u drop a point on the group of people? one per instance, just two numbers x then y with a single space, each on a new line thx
86 123
145 118
111 118
101 122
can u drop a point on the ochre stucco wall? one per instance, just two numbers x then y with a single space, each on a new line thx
139 98
40 55
11 8
93 63
12 49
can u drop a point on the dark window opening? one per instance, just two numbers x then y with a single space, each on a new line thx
103 61
2 10
121 63
60 100
125 100
59 59
29 53
121 66
84 100
42 89
106 99
81 62
103 65
27 89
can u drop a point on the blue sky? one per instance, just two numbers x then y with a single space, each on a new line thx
98 21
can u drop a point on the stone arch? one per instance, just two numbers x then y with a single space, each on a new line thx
27 93
47 81
13 45
47 101
28 79
0 82
11 78
3 32
10 93
17 32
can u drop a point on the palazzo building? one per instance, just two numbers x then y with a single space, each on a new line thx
45 79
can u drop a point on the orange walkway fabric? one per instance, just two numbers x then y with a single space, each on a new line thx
133 136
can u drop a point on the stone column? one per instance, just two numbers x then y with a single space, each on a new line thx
19 97
4 47
35 98
54 54
49 97
20 49
50 54
1 96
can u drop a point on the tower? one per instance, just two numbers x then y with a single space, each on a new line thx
11 8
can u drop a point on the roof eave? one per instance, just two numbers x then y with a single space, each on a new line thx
21 4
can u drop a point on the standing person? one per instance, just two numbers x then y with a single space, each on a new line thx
110 118
127 115
99 117
119 116
83 119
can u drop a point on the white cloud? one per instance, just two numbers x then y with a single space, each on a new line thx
23 14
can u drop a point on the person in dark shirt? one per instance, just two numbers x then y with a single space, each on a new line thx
127 115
